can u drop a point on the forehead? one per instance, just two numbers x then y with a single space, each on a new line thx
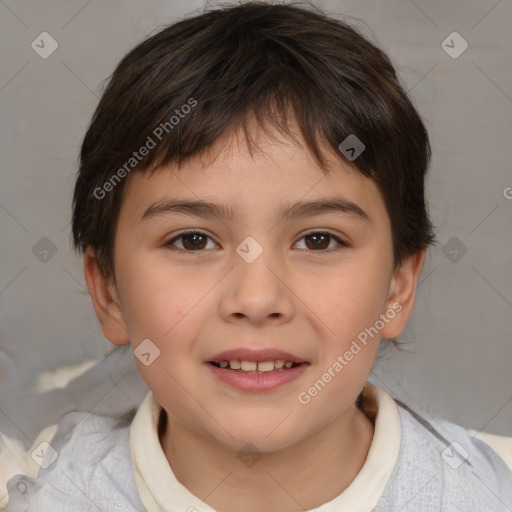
277 172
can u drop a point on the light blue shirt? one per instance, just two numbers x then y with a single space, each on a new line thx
440 468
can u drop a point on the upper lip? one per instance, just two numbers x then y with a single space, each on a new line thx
247 354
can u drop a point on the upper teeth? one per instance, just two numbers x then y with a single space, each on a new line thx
251 366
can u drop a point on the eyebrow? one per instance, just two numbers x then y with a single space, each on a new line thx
287 211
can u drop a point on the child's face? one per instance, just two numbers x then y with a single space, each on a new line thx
310 302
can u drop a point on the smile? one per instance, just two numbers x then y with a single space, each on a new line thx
255 367
256 380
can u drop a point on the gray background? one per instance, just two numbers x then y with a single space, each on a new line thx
458 354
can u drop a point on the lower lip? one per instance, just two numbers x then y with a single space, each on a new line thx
258 382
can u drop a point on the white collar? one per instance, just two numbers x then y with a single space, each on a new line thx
160 491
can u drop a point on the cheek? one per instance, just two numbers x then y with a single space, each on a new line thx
354 296
160 311
155 299
351 307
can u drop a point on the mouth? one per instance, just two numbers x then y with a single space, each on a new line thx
256 372
253 367
256 362
261 361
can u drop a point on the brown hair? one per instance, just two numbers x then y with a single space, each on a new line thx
235 63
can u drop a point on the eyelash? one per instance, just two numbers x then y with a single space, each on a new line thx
341 242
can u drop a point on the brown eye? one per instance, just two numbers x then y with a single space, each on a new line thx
320 241
196 241
191 241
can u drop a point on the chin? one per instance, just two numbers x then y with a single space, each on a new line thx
265 437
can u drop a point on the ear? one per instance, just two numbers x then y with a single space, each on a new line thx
105 301
402 294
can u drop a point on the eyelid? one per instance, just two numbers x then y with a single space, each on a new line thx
322 230
178 235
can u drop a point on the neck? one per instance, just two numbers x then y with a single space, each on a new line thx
296 478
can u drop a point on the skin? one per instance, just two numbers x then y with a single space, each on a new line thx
295 297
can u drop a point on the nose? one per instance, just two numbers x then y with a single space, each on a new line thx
258 291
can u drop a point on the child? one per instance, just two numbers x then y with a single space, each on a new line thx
250 205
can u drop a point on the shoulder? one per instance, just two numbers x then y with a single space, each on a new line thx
85 466
441 466
456 445
91 437
502 445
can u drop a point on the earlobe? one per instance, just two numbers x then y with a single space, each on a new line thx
105 301
402 295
